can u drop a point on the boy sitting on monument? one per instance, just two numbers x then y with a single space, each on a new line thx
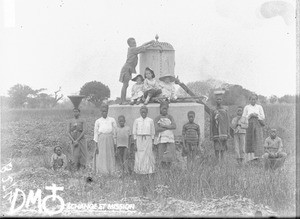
168 88
273 148
137 90
151 87
131 62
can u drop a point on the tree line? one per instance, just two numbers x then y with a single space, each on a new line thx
23 96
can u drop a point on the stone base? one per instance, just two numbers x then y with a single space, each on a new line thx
177 110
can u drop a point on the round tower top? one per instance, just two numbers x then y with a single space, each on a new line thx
160 45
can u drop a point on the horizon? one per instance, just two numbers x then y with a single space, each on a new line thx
226 40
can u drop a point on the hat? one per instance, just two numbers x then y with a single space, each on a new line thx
153 75
273 130
76 100
172 78
136 77
219 92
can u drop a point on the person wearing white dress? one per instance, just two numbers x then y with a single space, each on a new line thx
137 90
105 140
168 88
254 134
143 134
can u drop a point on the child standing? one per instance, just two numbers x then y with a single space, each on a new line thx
168 88
58 159
164 126
191 138
219 126
137 90
151 87
239 124
123 142
131 62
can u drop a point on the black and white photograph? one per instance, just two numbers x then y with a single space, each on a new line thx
149 108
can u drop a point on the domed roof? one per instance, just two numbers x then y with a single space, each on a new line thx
160 45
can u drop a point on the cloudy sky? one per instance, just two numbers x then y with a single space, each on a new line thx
52 43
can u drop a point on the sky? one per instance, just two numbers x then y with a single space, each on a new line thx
66 43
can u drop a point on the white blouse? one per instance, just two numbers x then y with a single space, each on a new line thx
104 126
150 84
254 109
143 127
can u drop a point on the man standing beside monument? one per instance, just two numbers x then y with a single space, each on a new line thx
131 63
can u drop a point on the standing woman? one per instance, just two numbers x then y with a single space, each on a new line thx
143 134
104 137
76 134
254 135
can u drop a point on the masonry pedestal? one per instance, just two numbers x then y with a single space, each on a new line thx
177 110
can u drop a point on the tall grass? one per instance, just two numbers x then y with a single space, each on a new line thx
29 136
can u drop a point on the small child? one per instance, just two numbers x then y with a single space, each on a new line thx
239 124
137 90
273 147
191 138
151 87
58 159
168 88
123 142
131 62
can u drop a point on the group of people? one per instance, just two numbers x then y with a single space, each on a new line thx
246 128
146 88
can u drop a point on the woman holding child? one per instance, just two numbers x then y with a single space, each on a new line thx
164 126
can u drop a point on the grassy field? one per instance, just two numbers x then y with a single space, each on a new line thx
28 137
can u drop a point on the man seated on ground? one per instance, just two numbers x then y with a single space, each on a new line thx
273 147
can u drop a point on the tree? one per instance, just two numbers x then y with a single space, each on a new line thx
95 92
20 94
273 99
287 99
262 99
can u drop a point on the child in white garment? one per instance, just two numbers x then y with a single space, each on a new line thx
137 90
168 88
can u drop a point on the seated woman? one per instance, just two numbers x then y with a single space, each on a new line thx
151 87
168 88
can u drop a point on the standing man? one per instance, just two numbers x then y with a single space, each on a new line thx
131 63
219 126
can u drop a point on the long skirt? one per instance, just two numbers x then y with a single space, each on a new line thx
80 152
254 138
144 158
104 162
